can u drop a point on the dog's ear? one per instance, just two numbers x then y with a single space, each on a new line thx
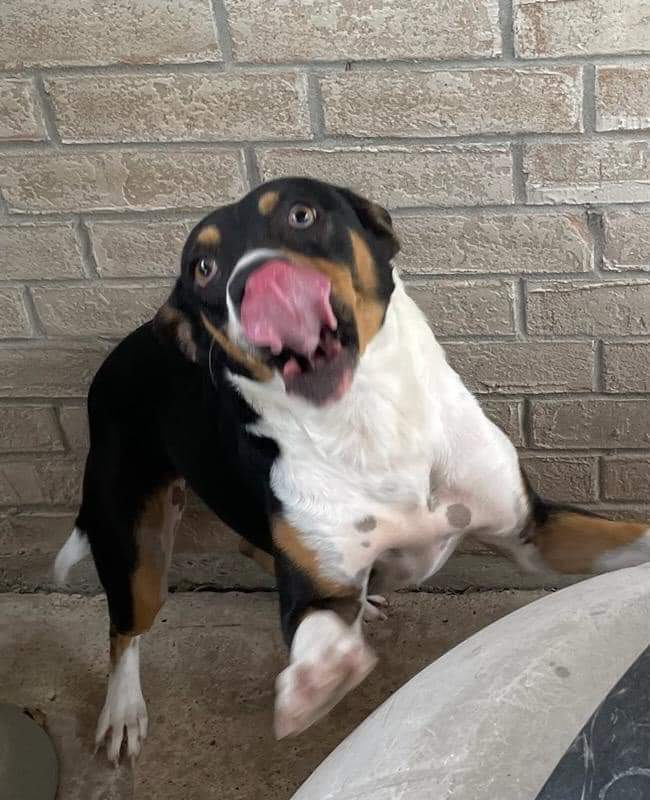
174 326
376 220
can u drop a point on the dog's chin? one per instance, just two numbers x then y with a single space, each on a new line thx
321 383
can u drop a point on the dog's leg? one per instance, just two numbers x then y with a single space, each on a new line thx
135 591
263 559
568 540
321 622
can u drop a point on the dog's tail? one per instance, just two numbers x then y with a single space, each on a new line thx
76 548
572 540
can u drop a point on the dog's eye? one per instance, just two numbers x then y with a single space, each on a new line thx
206 269
301 216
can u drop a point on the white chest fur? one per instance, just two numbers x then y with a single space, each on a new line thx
357 478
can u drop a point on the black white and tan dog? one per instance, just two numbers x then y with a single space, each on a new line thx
292 383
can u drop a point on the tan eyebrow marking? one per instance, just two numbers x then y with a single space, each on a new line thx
267 202
210 235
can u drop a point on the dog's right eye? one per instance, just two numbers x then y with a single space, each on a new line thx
206 269
301 216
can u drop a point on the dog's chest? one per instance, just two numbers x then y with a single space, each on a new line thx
403 457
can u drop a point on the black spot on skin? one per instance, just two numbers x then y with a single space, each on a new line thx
365 544
458 515
366 524
562 672
432 502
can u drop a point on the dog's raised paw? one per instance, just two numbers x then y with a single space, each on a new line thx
310 686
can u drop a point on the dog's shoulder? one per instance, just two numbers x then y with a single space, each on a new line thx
140 362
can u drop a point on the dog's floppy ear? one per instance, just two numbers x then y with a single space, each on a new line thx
173 325
376 220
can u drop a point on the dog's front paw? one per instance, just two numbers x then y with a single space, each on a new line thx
123 718
324 668
122 722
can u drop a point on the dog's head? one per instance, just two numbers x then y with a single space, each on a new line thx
295 278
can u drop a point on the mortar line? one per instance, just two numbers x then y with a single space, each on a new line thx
190 215
88 261
222 30
518 173
506 25
370 65
84 282
527 423
38 330
67 447
521 299
599 478
47 111
597 230
598 378
349 142
4 209
251 166
316 108
589 98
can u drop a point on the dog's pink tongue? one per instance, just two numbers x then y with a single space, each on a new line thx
286 306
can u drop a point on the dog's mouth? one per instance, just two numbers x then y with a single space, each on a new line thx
286 310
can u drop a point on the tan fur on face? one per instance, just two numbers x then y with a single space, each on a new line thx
267 202
572 543
254 366
361 299
210 236
366 269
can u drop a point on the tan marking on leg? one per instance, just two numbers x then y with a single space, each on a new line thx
210 236
289 541
154 536
118 644
254 366
267 202
571 542
263 559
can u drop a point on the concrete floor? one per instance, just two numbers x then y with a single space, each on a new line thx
208 672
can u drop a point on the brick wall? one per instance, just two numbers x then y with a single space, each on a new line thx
510 138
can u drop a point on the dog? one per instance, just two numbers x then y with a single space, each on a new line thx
294 385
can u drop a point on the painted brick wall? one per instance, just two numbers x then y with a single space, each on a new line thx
511 139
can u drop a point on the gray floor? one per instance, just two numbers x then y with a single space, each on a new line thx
208 672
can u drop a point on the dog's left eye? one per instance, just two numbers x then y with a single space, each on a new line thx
301 216
206 269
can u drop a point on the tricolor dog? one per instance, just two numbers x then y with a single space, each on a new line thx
296 388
